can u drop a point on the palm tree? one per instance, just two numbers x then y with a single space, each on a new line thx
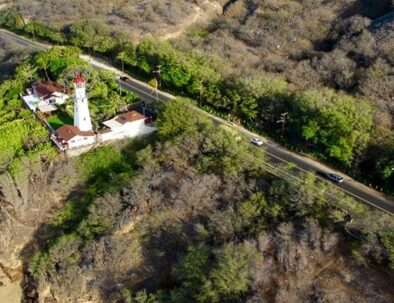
26 72
42 61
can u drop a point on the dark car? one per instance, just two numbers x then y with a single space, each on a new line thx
123 78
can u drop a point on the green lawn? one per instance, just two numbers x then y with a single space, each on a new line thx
59 119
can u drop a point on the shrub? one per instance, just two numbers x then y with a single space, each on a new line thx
388 242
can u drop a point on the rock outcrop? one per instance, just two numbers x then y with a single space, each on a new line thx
27 200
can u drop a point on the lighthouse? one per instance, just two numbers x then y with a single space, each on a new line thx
81 108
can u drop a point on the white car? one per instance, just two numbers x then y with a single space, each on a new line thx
335 178
257 141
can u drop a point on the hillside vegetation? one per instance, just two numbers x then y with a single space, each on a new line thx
192 216
134 18
191 213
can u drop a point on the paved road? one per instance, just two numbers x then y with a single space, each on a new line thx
379 22
277 152
274 150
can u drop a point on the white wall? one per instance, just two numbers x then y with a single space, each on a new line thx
129 130
79 141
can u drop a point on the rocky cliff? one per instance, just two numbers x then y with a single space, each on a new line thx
27 199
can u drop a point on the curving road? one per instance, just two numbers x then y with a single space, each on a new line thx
273 150
277 152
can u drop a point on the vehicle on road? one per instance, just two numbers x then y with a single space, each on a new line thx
257 141
333 177
123 78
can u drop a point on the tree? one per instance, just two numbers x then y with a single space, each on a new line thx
58 59
42 61
178 118
122 58
31 29
25 72
388 242
127 55
339 124
12 19
192 270
230 278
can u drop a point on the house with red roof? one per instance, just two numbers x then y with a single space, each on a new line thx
44 96
71 137
126 125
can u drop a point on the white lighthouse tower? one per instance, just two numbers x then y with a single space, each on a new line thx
81 108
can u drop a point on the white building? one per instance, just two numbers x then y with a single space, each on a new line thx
45 95
80 134
70 137
127 125
81 107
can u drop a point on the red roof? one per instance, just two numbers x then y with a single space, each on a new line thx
129 117
67 132
47 88
79 79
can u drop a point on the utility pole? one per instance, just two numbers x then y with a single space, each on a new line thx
283 120
155 84
157 74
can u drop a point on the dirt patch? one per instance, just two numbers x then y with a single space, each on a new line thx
200 15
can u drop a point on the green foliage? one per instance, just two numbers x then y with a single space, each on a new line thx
19 130
13 135
43 261
105 170
186 72
94 36
43 31
231 277
380 162
102 161
12 19
254 212
59 119
38 264
388 242
218 151
222 154
56 60
146 159
21 134
140 297
105 96
193 268
178 118
33 156
224 276
127 55
340 124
